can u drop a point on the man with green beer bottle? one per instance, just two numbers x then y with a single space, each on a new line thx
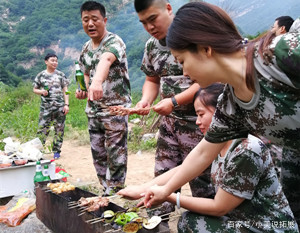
52 85
104 64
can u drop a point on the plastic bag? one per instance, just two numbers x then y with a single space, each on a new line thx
10 146
30 150
35 143
61 173
30 153
17 209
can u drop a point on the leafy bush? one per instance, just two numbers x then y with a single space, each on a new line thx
135 142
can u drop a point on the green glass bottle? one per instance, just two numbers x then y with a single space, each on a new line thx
46 87
38 177
46 173
79 77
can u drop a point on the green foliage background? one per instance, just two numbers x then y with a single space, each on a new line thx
19 113
31 25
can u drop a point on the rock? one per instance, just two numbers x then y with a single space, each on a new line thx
135 121
139 153
148 136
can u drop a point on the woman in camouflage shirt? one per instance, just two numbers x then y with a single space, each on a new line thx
259 97
249 197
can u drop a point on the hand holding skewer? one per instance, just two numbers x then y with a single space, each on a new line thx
122 111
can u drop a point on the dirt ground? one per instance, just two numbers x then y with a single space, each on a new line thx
77 161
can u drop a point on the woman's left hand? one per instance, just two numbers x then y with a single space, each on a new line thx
155 195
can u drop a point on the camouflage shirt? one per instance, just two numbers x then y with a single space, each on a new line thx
116 87
55 81
247 171
159 62
287 53
273 112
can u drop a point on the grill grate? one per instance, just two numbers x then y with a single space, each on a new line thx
53 210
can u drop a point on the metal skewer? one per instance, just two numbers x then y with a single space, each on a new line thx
113 197
93 219
75 206
143 207
72 202
164 215
82 213
99 220
113 230
171 217
82 208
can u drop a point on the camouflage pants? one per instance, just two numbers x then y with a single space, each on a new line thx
196 223
176 139
108 137
56 118
290 179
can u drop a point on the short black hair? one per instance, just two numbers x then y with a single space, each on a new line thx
285 21
141 5
50 55
92 5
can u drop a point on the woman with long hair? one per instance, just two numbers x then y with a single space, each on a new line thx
261 94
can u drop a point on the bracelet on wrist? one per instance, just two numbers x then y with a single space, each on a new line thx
178 200
175 104
66 105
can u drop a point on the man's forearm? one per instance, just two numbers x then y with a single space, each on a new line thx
38 91
66 97
150 90
187 96
102 71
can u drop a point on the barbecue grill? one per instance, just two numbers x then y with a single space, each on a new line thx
53 210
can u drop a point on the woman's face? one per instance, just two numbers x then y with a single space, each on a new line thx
204 115
199 66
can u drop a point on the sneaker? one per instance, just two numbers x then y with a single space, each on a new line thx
56 155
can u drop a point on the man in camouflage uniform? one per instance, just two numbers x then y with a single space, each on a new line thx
246 171
104 64
178 134
52 85
282 25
